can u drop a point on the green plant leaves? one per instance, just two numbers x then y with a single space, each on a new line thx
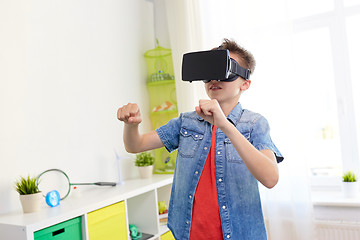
27 185
349 176
144 159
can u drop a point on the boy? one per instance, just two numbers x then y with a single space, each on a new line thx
223 151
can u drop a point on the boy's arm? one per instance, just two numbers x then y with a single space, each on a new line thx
134 141
262 164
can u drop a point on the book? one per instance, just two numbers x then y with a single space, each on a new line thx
163 218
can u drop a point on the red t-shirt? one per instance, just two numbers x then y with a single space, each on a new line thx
206 222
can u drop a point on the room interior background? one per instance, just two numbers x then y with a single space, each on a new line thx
306 84
67 66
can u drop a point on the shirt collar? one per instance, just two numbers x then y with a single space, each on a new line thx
234 115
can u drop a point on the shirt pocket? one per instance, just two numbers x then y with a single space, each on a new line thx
189 142
231 154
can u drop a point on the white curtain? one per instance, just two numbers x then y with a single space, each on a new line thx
264 28
287 207
184 26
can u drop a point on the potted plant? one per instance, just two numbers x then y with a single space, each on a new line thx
144 161
30 195
350 184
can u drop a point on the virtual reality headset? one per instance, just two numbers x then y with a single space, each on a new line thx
212 65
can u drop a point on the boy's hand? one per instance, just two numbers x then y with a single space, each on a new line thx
129 114
211 112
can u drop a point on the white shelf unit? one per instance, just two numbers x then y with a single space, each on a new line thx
141 198
163 195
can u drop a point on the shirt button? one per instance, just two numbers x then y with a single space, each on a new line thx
196 135
224 207
205 148
227 236
190 196
196 172
185 132
218 152
187 222
220 180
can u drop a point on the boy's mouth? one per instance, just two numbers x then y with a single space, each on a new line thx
215 87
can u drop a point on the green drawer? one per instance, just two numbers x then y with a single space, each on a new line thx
68 230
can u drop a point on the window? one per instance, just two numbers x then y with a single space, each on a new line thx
307 56
352 25
313 68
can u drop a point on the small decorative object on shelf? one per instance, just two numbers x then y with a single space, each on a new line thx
144 161
160 76
166 106
30 196
163 213
134 232
53 198
350 184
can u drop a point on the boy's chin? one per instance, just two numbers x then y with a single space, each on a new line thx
219 99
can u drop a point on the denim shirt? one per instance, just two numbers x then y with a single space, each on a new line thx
237 189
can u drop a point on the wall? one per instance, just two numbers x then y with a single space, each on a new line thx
65 68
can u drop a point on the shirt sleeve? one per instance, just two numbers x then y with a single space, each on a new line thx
169 134
260 138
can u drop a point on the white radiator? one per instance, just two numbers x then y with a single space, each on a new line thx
331 230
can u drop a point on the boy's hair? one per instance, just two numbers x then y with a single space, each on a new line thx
246 56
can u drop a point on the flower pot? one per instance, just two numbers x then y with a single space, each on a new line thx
31 202
146 172
350 189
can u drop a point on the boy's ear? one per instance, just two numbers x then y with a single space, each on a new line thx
245 85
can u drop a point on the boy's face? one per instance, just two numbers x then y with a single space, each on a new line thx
227 92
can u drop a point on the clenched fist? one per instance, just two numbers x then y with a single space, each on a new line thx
129 114
211 111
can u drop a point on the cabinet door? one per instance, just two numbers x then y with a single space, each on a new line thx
167 236
108 223
70 229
